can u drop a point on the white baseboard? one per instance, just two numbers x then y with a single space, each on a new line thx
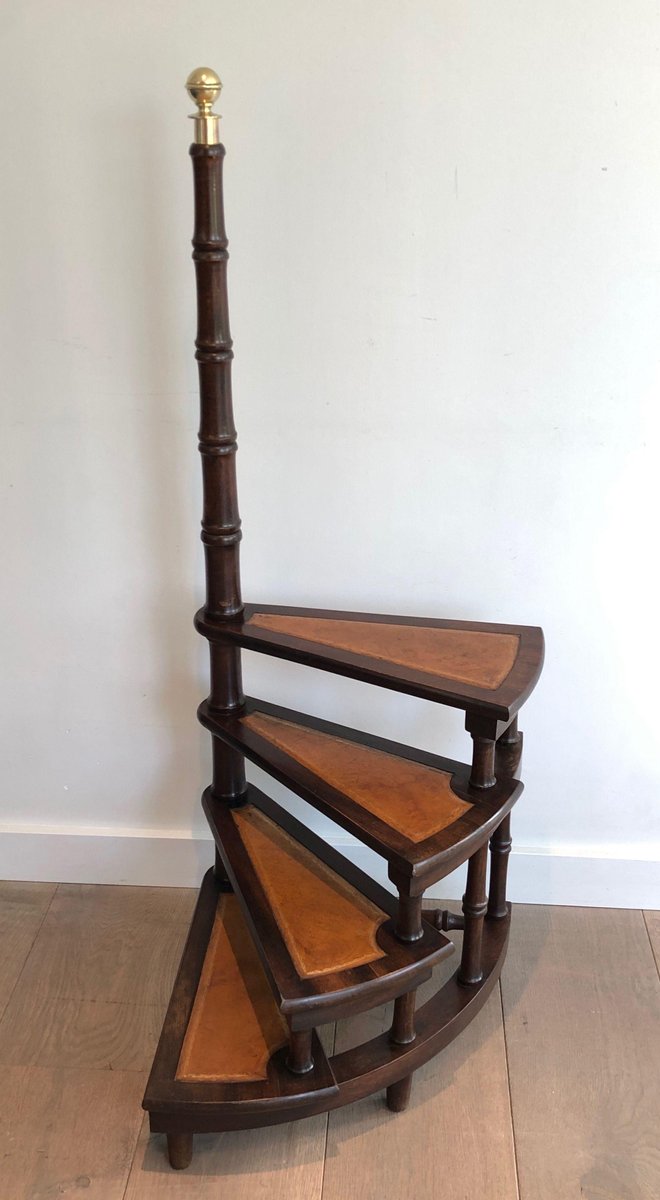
585 875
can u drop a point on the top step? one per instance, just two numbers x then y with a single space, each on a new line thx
482 668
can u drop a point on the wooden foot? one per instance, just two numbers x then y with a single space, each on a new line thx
398 1094
180 1150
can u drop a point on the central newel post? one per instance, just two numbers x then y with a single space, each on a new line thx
221 526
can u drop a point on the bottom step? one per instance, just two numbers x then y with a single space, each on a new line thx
224 1043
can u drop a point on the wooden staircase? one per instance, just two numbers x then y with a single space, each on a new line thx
287 933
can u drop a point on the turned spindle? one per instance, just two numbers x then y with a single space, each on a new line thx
402 1033
474 911
508 753
221 525
483 762
299 1059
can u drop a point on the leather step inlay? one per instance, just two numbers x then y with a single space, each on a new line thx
328 926
235 1025
415 800
473 657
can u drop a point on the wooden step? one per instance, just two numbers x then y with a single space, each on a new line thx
416 809
324 929
224 1043
488 670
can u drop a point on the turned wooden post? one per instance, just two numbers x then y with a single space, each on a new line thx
221 525
508 753
474 910
299 1059
402 1033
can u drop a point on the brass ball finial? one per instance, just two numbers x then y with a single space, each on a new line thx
204 87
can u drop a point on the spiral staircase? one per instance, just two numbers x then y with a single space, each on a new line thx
287 933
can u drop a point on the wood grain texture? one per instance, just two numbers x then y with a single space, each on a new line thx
327 925
454 1140
582 1017
67 1133
414 799
482 660
40 1030
23 907
653 926
109 943
235 1025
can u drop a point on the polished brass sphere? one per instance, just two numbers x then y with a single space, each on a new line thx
204 87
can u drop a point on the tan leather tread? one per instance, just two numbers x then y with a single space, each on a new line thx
328 926
235 1025
409 797
473 657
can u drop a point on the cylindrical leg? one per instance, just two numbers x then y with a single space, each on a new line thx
508 752
402 1033
409 918
483 762
500 848
180 1150
474 910
299 1059
398 1094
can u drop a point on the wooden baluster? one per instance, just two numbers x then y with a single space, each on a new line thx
508 753
221 525
474 910
299 1059
483 762
408 923
402 1033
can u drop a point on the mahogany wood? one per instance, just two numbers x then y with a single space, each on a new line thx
287 932
421 862
177 1106
507 761
500 703
474 911
180 1150
307 999
221 525
299 1059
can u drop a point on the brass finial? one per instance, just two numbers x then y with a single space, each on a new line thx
204 87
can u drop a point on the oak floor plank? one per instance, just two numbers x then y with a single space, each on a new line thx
653 926
40 1030
67 1133
455 1140
23 907
582 1020
109 943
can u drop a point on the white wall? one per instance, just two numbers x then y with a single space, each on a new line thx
444 221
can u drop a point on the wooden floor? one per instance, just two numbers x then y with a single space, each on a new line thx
553 1092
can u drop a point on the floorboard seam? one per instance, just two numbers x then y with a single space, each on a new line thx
508 1087
648 934
32 944
327 1123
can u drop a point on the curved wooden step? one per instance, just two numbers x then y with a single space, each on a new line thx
416 809
224 1042
325 931
178 1105
486 669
